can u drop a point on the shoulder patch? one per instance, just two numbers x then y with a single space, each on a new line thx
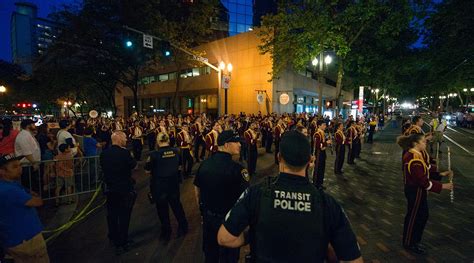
245 174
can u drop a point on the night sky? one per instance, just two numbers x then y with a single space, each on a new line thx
7 7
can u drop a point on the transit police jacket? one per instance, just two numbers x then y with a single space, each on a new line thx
164 167
292 221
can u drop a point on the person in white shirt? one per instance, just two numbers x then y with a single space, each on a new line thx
27 146
438 126
65 137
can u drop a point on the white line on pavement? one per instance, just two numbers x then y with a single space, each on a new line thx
458 145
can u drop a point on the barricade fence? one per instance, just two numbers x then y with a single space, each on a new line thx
63 179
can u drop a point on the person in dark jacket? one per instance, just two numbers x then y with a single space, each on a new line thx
164 185
117 164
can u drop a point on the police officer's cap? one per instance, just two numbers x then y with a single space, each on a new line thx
227 136
295 148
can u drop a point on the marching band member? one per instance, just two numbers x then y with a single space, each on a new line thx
251 138
211 138
198 133
340 148
351 137
320 144
279 130
417 184
136 132
184 141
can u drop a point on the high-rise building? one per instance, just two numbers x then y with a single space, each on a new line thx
240 15
30 35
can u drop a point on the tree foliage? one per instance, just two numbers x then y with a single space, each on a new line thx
361 33
91 55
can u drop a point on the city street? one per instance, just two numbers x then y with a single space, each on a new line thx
372 198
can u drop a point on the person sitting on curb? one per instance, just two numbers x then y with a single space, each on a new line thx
20 226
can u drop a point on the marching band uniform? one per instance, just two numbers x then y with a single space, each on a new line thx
171 131
320 155
184 142
251 138
357 142
340 151
136 133
279 129
197 131
151 135
269 138
351 136
211 142
417 184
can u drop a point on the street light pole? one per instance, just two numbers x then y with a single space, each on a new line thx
327 60
226 81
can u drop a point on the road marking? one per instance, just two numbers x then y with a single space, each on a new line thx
464 134
458 145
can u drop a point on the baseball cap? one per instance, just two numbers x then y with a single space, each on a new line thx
227 136
5 158
295 148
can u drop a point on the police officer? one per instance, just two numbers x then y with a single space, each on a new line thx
117 165
219 182
290 220
164 185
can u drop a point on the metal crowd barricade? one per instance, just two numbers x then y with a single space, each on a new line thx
48 180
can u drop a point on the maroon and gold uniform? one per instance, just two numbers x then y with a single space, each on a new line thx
211 142
416 173
340 151
251 138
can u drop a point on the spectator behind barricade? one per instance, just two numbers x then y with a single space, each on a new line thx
47 148
7 137
65 137
91 145
20 226
26 145
80 127
64 173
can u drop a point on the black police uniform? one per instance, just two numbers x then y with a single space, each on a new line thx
117 164
292 221
221 181
164 186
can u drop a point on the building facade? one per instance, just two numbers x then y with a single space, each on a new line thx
30 35
250 88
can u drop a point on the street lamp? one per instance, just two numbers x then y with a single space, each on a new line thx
3 89
315 62
225 80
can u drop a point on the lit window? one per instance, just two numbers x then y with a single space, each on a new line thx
163 77
196 72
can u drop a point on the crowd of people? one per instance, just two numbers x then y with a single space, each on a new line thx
175 144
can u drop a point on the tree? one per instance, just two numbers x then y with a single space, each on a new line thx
450 40
302 29
106 54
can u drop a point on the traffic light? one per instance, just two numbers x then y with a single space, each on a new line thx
166 48
128 43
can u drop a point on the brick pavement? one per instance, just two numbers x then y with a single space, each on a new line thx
372 197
